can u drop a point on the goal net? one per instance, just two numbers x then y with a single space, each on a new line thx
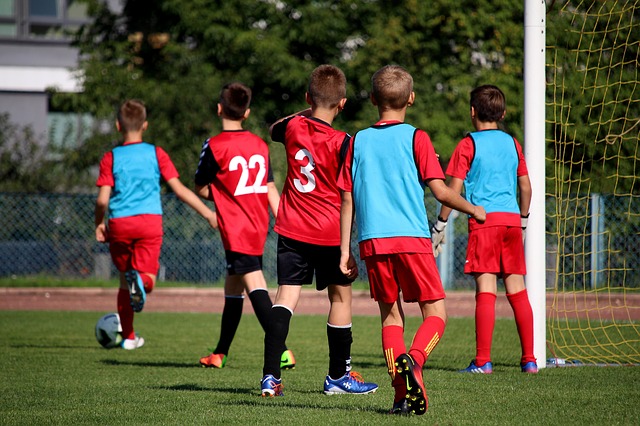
593 181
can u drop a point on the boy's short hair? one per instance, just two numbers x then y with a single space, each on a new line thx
235 99
132 115
488 102
391 87
327 86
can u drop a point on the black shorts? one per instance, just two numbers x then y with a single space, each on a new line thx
240 263
298 261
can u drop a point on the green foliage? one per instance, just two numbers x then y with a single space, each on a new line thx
54 372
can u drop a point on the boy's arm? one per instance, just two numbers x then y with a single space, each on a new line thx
452 199
524 191
437 230
348 264
204 192
304 112
274 198
102 204
187 196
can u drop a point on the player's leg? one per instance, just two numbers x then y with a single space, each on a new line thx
485 319
523 314
141 276
231 315
392 317
276 336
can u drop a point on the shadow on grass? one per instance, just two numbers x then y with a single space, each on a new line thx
259 401
115 362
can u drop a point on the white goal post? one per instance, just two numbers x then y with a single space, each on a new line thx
534 151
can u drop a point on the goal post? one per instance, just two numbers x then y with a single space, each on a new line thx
534 151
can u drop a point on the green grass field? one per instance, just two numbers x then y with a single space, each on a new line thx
54 372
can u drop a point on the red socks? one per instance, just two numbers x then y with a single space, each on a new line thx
485 323
427 337
524 322
126 314
393 346
147 282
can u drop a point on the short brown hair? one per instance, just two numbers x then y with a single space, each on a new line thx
488 102
327 86
235 99
132 115
391 87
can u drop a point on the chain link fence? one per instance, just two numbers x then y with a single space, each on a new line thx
53 235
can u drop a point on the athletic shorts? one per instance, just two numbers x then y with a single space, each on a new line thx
240 263
298 262
135 243
496 250
414 274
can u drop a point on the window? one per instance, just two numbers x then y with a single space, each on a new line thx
41 19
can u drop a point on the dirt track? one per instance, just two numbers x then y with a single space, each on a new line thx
459 304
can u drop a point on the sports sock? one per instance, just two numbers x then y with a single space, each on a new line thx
231 315
393 346
274 338
524 323
485 323
340 340
147 282
426 339
261 303
125 311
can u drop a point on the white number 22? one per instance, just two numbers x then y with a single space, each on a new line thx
256 187
306 171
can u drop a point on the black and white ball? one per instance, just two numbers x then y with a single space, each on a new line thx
109 331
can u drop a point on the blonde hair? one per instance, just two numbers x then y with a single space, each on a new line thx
391 87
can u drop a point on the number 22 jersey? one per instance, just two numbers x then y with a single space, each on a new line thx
309 208
235 165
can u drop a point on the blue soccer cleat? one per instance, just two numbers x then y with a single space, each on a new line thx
351 382
270 386
529 367
137 294
487 368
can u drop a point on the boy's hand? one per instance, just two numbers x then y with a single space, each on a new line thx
348 265
101 233
479 213
438 236
213 221
523 223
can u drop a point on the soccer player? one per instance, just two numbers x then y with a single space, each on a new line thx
308 225
129 197
382 181
235 173
490 165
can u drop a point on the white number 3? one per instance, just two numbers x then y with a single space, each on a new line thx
256 187
306 171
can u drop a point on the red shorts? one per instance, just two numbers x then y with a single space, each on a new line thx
135 243
496 250
415 274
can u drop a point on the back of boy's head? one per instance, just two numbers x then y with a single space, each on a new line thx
132 115
489 103
235 99
327 86
391 87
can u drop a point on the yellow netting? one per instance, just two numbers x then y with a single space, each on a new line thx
593 191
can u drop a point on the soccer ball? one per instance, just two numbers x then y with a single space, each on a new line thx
109 331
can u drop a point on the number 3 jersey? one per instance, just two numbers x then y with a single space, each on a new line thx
235 165
309 208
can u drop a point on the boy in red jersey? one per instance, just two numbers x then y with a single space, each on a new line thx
490 165
308 225
383 178
235 173
129 190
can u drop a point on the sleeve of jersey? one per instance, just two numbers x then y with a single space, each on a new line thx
105 177
167 169
426 158
207 166
461 158
522 165
345 181
279 130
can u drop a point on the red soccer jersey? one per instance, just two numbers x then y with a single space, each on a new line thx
309 208
236 166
